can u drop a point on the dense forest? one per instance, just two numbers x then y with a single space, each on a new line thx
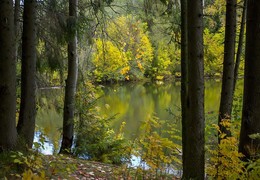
81 46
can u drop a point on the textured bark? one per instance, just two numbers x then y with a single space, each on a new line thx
251 101
8 134
240 44
26 123
16 26
184 78
71 82
194 160
226 99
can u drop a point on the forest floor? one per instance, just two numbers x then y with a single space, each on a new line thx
65 167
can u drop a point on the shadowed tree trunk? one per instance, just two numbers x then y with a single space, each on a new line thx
194 142
16 26
26 123
226 99
8 134
251 100
184 77
240 44
71 82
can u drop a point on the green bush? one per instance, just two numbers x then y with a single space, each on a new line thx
95 139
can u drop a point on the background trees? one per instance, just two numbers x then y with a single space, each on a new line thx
126 40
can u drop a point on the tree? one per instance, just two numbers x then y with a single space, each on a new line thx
251 99
240 43
226 99
16 25
71 82
26 123
184 75
194 142
8 131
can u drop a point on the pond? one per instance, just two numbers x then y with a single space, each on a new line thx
132 103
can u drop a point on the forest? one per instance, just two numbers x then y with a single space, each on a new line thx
131 83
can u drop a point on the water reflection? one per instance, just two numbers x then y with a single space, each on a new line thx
133 103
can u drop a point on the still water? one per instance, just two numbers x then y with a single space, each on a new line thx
131 103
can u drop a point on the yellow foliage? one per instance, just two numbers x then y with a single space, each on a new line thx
156 151
128 55
213 53
225 161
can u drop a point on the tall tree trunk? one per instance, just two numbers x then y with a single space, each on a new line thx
71 82
8 134
184 78
26 123
240 44
251 100
226 99
16 26
194 142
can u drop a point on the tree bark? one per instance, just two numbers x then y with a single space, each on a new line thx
195 123
16 26
226 99
184 78
251 100
8 134
71 82
240 44
26 123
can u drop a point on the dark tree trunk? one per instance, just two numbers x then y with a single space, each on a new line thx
194 142
16 26
8 134
184 77
26 123
240 44
226 99
251 100
71 82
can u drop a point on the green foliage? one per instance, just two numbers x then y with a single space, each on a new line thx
110 63
165 61
17 164
34 165
95 139
125 54
157 148
215 13
214 52
253 169
225 160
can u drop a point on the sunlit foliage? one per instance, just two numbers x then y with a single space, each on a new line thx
125 54
214 47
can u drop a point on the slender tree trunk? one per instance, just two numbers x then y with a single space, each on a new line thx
148 13
251 101
240 44
71 82
26 123
16 26
194 160
228 66
184 78
8 134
